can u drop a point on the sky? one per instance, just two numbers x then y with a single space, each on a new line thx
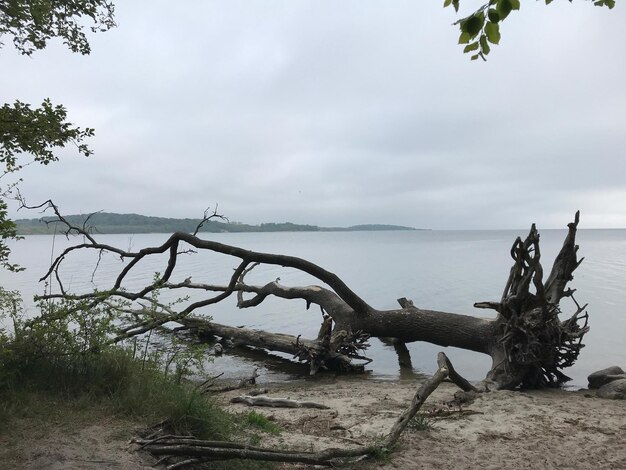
339 112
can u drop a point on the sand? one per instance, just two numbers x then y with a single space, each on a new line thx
512 430
75 441
500 430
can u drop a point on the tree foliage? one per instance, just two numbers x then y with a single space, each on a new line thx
32 23
8 231
37 133
482 27
34 133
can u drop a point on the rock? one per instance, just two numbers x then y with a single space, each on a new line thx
615 390
604 376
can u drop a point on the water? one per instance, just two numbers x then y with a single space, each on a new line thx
440 270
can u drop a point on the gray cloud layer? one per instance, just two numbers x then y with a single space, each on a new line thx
340 112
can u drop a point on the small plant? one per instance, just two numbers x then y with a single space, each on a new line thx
64 355
420 422
261 422
382 451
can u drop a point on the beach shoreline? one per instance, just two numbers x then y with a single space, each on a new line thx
549 428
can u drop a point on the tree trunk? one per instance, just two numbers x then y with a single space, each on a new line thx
528 342
413 324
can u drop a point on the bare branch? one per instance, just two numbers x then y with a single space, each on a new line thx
208 215
564 265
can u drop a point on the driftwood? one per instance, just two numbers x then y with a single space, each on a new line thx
276 402
330 350
454 376
241 383
190 451
528 342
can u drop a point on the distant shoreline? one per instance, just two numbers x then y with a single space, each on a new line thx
112 223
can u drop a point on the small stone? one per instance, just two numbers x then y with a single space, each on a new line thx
615 390
604 376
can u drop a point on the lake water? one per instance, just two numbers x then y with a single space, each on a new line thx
440 270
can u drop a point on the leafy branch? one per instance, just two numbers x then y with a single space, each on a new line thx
33 23
482 27
37 132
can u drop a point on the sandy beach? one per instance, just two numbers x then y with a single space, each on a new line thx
513 430
552 429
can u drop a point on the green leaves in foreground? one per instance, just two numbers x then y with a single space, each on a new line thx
482 28
37 132
32 24
602 3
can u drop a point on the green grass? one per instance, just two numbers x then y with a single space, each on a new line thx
420 422
381 451
261 422
112 379
62 393
59 379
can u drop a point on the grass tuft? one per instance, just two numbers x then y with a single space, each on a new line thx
261 422
420 422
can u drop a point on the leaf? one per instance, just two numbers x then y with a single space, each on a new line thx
447 3
493 15
455 4
473 24
484 45
515 4
503 8
464 38
492 30
474 57
471 47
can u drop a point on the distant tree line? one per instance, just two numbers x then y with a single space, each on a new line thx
106 222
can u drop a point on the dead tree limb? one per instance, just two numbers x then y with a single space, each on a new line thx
528 343
419 398
241 383
276 402
191 451
453 375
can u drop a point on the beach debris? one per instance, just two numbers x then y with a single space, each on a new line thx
241 383
185 451
276 402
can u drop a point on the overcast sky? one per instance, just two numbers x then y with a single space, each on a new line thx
338 112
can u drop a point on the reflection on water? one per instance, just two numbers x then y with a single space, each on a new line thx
442 270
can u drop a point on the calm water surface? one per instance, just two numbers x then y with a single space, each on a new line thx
441 270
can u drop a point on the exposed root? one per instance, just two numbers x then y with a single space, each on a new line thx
535 344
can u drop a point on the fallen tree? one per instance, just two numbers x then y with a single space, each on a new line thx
528 342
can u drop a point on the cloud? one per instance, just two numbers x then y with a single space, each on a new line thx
336 113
